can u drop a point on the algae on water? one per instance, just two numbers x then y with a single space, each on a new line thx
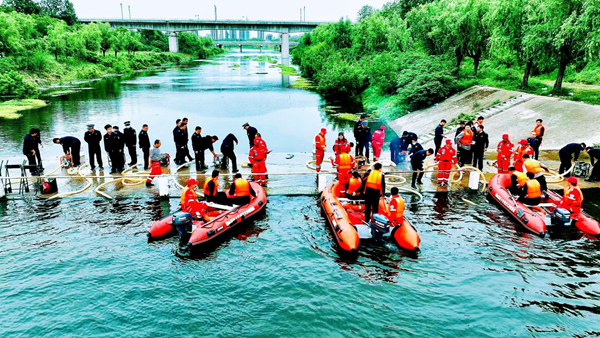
10 109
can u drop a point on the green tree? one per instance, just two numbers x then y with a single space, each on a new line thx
365 12
132 43
56 40
24 6
119 39
60 9
106 37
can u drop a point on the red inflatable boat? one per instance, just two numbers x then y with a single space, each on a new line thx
215 223
538 218
346 219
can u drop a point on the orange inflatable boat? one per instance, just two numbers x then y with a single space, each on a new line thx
347 221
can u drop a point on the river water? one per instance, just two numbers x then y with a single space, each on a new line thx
82 266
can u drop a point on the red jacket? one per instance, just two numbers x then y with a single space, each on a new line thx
505 148
446 154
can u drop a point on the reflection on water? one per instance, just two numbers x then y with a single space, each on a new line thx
82 266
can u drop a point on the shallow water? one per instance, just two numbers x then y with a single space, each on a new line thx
83 267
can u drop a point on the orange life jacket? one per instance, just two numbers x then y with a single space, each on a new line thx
538 129
467 136
532 166
374 180
521 178
533 189
353 185
242 187
186 195
320 142
206 191
344 162
397 209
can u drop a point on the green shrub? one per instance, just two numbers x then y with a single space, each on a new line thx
425 81
13 84
340 78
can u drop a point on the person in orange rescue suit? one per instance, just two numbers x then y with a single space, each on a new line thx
537 169
211 190
517 181
532 192
377 141
445 158
320 147
524 148
505 149
572 197
353 190
240 191
154 163
464 141
257 157
373 189
189 200
340 144
396 208
344 164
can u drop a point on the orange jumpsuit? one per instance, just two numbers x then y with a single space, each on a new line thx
319 150
190 203
257 157
505 149
446 157
572 199
522 150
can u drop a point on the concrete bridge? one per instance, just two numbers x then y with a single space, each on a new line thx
252 43
175 26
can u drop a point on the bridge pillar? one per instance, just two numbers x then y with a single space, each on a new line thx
285 49
173 43
241 51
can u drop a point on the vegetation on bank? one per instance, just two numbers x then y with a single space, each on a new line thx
37 49
11 109
413 53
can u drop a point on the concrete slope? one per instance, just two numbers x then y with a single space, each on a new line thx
515 114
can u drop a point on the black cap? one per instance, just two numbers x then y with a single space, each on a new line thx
246 125
115 127
33 131
127 123
363 116
107 126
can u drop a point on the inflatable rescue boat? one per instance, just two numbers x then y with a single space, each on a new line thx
218 219
538 219
347 221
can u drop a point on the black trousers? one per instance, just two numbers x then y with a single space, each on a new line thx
240 200
359 149
146 152
132 154
438 145
595 175
536 150
565 162
117 161
227 155
220 198
31 159
478 158
466 156
186 153
75 149
530 201
371 203
417 177
542 180
38 155
95 152
200 159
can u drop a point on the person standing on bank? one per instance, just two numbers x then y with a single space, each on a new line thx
184 128
71 145
37 143
251 131
196 146
568 154
416 163
175 138
594 154
357 135
364 133
480 144
227 147
539 131
439 135
464 141
130 142
29 145
145 145
111 146
93 138
120 146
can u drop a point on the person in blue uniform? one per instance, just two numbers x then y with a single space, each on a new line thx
130 141
93 138
356 131
71 145
439 135
251 131
227 149
395 149
568 154
144 143
594 154
416 162
29 146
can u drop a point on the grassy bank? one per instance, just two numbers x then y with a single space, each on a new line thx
10 109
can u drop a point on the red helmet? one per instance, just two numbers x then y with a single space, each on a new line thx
191 182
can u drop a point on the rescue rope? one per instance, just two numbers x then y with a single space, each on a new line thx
309 166
86 187
554 177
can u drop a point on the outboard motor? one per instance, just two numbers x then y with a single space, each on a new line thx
165 160
380 225
182 221
561 217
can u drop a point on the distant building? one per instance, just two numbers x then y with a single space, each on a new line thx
261 35
269 37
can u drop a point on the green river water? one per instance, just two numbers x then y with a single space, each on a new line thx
82 267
